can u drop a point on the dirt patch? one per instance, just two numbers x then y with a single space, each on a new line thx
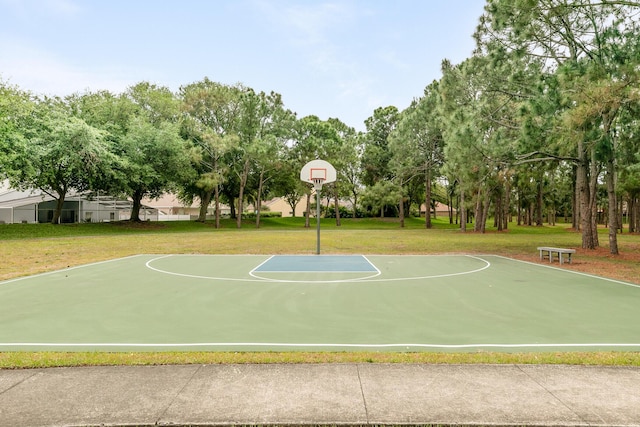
600 262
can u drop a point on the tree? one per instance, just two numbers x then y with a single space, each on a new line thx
286 181
153 155
381 195
16 114
376 155
350 174
262 121
312 139
342 153
211 113
573 38
417 145
61 153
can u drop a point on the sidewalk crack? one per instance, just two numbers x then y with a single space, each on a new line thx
552 394
364 399
38 372
186 383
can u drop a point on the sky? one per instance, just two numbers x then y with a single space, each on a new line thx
329 58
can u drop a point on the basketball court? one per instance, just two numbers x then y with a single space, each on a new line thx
320 303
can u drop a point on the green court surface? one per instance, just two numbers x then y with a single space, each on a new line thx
318 303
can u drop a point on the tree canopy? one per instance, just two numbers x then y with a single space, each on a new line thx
540 121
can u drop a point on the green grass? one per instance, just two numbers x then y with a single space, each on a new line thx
24 360
34 248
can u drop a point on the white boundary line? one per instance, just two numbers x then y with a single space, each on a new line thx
329 345
148 265
48 273
593 276
437 276
366 279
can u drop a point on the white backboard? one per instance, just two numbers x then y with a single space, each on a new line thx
318 169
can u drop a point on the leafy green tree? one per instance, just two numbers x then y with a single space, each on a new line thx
312 139
381 195
153 156
62 153
147 155
350 173
342 153
211 112
578 39
417 146
261 129
468 136
376 155
286 181
16 114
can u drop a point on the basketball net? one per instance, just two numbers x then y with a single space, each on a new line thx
317 183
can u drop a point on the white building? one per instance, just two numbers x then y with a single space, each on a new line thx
34 206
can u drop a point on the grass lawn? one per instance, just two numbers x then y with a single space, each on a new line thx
28 249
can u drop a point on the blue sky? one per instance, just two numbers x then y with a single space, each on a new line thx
330 58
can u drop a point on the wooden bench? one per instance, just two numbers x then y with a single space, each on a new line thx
548 252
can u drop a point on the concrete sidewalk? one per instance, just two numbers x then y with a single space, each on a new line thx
357 394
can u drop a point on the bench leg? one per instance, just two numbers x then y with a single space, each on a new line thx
560 257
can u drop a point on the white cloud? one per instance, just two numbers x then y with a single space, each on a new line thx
306 24
321 31
391 58
42 72
23 9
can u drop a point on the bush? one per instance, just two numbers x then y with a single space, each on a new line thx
344 213
263 214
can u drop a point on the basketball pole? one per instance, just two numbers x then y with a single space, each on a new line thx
317 185
318 172
318 221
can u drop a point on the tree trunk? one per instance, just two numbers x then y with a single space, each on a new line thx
401 214
506 205
355 206
336 204
259 199
519 205
539 202
478 211
216 196
243 182
621 215
137 203
631 213
593 193
485 212
499 211
205 201
463 212
232 207
613 208
584 198
57 213
427 199
575 201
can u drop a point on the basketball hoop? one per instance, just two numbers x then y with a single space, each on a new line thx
317 183
317 172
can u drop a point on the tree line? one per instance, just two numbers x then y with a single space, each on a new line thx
540 121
